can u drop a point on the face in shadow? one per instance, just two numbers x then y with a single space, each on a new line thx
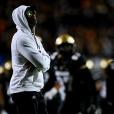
31 16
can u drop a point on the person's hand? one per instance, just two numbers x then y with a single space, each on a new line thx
50 94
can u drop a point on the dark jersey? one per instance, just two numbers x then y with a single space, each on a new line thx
75 78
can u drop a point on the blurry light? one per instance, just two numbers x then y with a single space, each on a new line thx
89 64
7 65
103 63
1 69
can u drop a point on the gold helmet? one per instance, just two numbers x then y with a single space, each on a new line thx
65 45
64 38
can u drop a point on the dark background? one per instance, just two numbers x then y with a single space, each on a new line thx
90 22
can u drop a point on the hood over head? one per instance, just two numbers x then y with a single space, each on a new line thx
19 18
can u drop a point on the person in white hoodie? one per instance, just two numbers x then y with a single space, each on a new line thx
29 61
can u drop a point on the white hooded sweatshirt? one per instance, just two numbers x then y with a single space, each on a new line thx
29 59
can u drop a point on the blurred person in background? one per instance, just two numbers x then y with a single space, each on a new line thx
70 87
107 104
5 73
102 72
29 61
2 100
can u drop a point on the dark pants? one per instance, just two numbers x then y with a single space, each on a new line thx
29 103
